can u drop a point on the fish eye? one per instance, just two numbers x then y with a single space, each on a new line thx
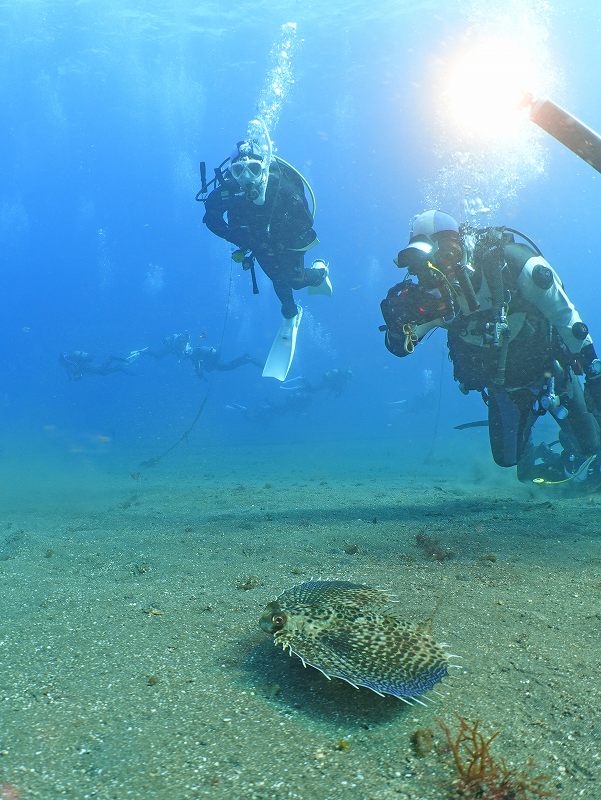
278 619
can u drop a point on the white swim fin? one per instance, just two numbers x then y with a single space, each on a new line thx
283 347
325 287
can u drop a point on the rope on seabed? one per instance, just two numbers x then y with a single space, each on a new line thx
152 462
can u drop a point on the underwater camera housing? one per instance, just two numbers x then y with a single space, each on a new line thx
409 302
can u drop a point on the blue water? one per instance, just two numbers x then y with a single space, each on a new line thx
107 109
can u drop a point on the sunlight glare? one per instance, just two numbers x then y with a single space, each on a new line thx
485 88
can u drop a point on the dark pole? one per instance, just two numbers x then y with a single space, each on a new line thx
571 132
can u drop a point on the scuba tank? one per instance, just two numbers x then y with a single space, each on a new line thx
497 330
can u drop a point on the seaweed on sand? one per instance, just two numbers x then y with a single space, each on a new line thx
480 776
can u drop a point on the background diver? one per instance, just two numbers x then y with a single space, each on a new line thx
259 205
206 359
335 381
422 399
178 345
78 363
513 335
294 403
203 357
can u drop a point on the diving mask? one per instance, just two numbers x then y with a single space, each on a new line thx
424 255
418 256
247 171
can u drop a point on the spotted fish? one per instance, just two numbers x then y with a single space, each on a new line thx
349 631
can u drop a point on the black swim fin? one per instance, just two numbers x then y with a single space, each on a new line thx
481 423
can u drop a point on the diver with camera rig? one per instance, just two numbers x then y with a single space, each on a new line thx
513 335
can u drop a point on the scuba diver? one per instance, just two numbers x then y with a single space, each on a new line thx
262 197
334 381
513 335
206 359
421 400
78 363
294 403
203 357
176 344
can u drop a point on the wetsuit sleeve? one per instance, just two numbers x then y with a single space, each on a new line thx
215 210
540 285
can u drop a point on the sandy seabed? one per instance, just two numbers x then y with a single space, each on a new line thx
132 665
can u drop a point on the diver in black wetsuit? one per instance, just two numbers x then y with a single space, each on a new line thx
334 381
175 344
203 357
78 363
206 359
513 335
268 219
294 403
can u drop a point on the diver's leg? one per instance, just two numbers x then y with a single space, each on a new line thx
114 364
158 354
277 270
284 292
301 277
580 430
104 368
241 361
580 435
510 421
291 274
291 269
309 277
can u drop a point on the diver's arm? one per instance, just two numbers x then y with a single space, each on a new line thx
215 209
214 213
540 285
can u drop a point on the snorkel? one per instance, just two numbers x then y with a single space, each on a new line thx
259 148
